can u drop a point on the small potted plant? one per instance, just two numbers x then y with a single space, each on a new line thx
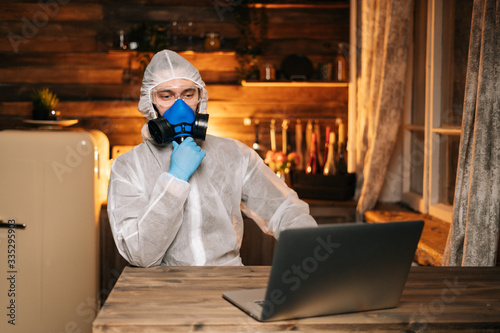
252 24
44 102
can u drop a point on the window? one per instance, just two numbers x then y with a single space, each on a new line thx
433 114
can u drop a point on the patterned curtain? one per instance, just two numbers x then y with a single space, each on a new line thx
473 236
385 42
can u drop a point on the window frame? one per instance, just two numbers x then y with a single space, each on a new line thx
435 94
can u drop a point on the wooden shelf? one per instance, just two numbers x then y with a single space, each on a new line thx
293 84
286 4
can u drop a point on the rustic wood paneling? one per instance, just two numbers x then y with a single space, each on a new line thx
42 11
29 30
17 43
280 94
112 59
72 92
29 74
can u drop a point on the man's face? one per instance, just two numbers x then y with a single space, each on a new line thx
165 94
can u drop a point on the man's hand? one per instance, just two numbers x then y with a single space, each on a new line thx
185 159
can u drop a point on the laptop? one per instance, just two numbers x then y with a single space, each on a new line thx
332 269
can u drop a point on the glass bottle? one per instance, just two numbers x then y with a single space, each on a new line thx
212 41
313 166
298 145
342 163
327 145
340 66
307 153
330 168
256 144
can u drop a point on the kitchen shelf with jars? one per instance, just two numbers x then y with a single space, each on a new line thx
219 67
244 56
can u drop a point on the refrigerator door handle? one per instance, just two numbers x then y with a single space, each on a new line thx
12 225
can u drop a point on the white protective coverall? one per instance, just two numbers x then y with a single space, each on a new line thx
158 219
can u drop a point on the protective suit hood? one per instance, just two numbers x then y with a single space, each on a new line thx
167 65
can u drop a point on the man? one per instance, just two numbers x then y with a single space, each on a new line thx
181 203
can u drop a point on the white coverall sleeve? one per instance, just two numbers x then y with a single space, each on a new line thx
144 224
270 202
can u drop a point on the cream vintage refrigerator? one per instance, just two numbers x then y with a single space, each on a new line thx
52 185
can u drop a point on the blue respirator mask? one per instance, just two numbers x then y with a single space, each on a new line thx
178 123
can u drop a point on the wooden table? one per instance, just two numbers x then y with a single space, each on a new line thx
189 299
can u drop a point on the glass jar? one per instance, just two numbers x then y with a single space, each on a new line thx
267 72
212 41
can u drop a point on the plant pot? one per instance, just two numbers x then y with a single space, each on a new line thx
39 114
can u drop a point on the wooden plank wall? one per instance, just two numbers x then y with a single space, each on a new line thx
67 46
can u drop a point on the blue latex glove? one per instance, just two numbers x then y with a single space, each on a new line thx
186 158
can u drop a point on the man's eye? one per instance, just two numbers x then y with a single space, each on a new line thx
188 93
165 95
